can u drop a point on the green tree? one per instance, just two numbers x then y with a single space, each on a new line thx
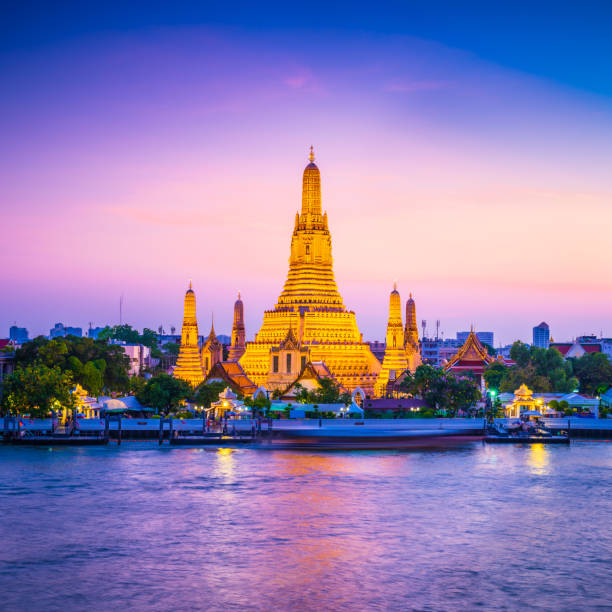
164 393
593 372
207 393
36 389
328 392
171 348
148 338
520 354
69 354
494 374
91 379
441 390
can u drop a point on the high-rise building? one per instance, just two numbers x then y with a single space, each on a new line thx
541 335
310 321
93 332
19 335
484 337
59 330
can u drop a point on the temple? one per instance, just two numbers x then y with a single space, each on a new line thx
402 345
188 364
472 358
309 322
212 351
238 346
411 336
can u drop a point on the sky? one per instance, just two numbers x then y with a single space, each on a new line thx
465 153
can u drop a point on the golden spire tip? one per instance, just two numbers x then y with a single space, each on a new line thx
311 157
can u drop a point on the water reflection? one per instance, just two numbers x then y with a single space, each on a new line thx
538 458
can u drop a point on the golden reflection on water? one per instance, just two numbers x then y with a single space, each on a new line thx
318 510
225 464
538 458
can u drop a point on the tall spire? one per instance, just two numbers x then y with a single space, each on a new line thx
311 192
394 362
238 345
188 364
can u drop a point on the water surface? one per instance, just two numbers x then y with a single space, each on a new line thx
138 527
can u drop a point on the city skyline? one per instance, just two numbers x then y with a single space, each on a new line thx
138 157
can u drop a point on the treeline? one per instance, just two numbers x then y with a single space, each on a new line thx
546 371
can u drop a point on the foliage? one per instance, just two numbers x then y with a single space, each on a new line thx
125 333
93 364
260 403
329 392
494 374
36 389
164 393
206 394
542 370
594 373
441 390
171 348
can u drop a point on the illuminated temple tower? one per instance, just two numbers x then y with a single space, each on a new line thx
238 346
188 364
395 361
310 321
411 336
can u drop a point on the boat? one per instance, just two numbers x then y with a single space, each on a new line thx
498 434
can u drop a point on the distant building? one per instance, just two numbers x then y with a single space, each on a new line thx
484 337
19 335
437 352
576 349
541 335
93 332
59 330
504 351
140 357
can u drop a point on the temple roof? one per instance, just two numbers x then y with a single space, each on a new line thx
471 354
232 373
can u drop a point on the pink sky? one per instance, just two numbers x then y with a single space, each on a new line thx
132 163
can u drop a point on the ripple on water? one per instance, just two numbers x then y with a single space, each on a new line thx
498 529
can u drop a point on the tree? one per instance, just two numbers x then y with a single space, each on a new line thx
593 371
441 390
520 354
72 355
328 392
207 393
171 348
494 374
36 389
164 393
91 379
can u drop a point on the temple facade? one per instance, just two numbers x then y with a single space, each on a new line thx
309 322
402 343
238 346
188 364
472 358
212 351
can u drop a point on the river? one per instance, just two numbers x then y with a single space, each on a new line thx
147 528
